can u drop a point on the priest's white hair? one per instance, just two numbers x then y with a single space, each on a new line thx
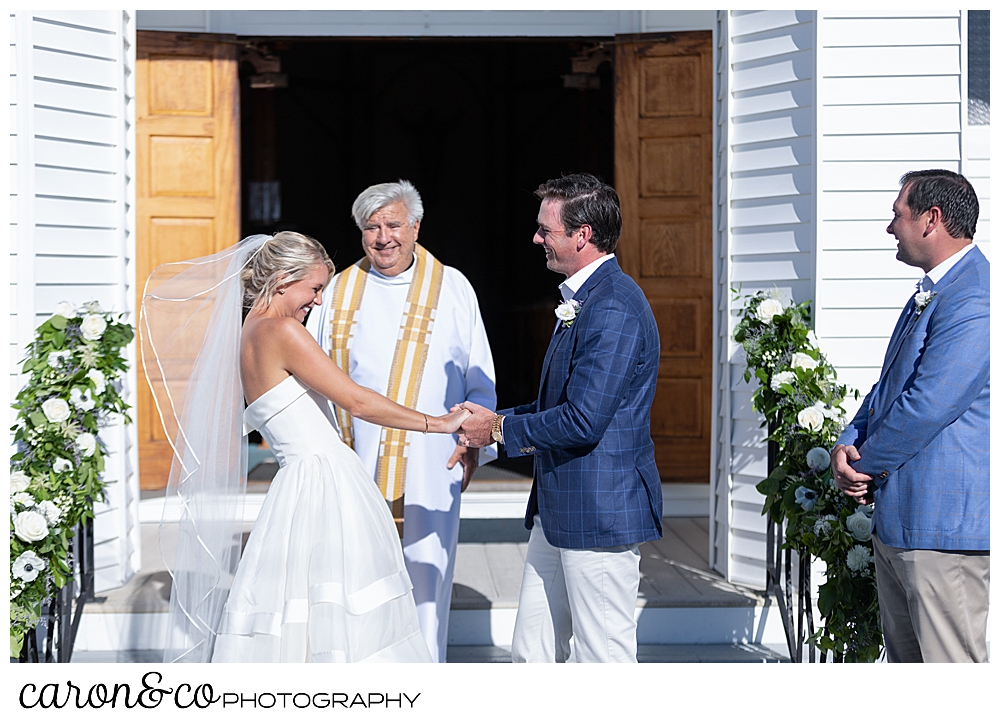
381 195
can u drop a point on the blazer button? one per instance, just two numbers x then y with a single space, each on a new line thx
871 412
883 474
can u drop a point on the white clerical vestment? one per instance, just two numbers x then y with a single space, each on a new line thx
459 367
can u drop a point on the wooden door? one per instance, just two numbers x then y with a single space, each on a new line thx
187 177
663 174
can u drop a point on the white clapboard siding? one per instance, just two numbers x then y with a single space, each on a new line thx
766 206
72 220
889 101
976 160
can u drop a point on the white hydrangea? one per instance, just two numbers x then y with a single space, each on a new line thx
859 558
782 378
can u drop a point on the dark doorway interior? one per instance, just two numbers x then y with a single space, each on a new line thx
475 125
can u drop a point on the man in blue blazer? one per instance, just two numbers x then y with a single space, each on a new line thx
596 492
919 447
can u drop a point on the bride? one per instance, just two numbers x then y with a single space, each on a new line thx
322 577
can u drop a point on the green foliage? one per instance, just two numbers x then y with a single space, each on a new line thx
801 401
73 367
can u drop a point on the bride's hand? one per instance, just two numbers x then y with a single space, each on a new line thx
449 423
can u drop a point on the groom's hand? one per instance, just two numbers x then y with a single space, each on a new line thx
477 430
851 482
469 458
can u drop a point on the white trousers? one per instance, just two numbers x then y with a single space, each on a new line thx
588 595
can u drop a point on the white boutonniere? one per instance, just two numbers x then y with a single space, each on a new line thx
566 312
922 299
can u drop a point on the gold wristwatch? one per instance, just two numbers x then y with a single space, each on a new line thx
497 433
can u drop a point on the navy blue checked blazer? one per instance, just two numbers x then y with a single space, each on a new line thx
923 431
596 482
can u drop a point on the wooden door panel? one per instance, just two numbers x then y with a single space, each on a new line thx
187 180
663 173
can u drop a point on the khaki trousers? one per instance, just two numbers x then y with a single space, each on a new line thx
933 604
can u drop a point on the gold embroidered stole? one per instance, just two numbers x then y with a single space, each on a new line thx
408 361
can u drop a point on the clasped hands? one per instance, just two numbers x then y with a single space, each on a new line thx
477 429
851 482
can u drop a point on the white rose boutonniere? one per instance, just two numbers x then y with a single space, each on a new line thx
921 300
860 526
55 410
768 309
92 327
31 526
803 361
567 311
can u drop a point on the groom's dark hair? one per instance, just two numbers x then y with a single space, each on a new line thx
949 191
587 200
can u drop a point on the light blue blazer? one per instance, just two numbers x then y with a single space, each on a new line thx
923 431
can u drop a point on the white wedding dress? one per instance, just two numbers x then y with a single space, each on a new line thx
322 577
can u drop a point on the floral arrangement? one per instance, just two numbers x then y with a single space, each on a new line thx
74 365
800 399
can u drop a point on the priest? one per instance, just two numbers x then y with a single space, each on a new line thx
402 323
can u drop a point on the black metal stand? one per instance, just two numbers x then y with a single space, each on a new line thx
801 628
52 640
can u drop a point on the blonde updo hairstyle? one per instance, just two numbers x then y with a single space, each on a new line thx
285 258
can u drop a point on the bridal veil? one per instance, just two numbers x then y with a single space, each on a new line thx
190 325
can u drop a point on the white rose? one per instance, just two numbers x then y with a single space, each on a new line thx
818 458
811 418
768 309
19 482
55 409
782 378
566 311
98 378
27 566
93 327
65 310
50 511
81 399
30 526
86 443
61 465
860 526
803 361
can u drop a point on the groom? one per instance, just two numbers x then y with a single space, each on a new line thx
596 492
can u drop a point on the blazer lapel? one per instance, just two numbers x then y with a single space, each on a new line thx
561 331
902 327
